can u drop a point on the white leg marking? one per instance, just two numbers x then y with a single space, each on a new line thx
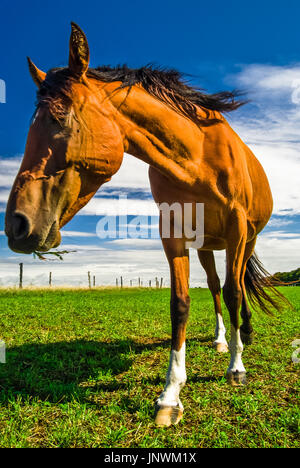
236 349
176 378
220 331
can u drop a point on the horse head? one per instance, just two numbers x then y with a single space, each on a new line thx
73 147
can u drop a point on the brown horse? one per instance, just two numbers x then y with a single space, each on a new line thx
84 122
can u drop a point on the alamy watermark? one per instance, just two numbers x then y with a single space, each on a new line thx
2 92
2 352
177 220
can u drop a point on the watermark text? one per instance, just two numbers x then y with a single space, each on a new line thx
2 92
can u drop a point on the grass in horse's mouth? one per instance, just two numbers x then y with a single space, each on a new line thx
56 253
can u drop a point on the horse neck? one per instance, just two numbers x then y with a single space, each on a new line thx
158 135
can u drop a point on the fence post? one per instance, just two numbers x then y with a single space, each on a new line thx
161 282
149 283
89 278
94 281
139 282
121 281
117 282
50 279
21 276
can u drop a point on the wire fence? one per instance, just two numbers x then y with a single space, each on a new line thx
91 281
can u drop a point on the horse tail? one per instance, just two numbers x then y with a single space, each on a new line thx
261 287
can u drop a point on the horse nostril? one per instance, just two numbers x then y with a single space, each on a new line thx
20 227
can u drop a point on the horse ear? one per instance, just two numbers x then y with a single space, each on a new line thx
37 75
79 52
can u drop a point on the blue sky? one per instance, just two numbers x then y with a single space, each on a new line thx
222 45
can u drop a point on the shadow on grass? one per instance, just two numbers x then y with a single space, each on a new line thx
63 371
53 372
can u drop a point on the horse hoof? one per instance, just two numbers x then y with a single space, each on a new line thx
247 338
236 379
167 415
221 347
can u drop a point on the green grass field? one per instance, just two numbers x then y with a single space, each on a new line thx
84 368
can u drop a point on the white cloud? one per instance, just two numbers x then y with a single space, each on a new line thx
4 194
270 125
279 253
280 235
77 234
270 78
8 171
132 174
281 164
279 222
140 244
115 207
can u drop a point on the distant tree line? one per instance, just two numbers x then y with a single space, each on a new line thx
288 276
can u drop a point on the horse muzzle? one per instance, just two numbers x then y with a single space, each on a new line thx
24 237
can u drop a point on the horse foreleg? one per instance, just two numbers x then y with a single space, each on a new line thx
246 327
207 261
232 292
169 409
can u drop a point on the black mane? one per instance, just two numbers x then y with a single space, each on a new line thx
167 85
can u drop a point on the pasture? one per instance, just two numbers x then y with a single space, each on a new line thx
84 368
